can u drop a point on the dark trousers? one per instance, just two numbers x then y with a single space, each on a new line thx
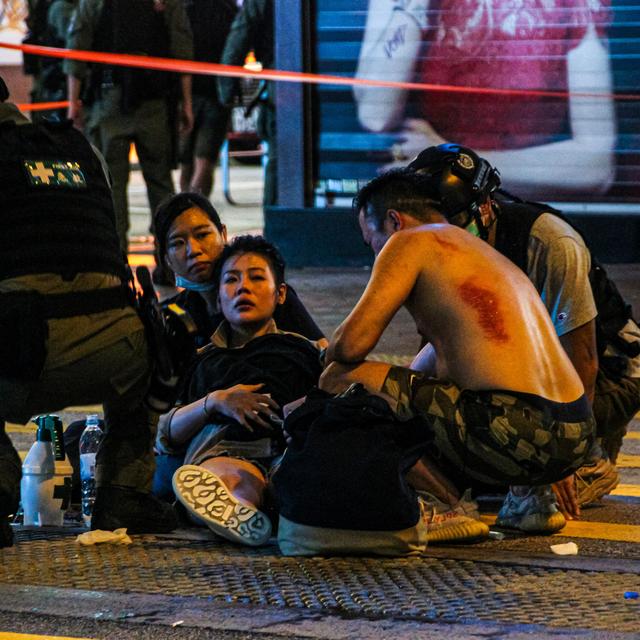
615 403
10 476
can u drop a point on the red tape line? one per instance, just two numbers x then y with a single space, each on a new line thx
43 106
210 68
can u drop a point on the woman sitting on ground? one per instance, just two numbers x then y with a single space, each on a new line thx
229 426
190 237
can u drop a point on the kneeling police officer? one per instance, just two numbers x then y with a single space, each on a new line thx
69 333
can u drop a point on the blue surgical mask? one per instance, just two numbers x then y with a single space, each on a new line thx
199 287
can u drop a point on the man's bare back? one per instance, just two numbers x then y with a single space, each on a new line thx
485 320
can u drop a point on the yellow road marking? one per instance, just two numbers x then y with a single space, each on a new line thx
633 435
21 428
8 635
631 490
628 461
601 531
595 530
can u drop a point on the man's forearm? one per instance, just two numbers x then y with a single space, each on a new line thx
73 89
580 345
344 350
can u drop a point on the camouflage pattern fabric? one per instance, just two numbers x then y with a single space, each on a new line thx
494 437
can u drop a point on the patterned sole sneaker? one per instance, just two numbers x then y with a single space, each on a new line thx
457 523
462 530
596 481
207 498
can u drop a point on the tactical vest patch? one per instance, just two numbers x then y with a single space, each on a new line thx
55 173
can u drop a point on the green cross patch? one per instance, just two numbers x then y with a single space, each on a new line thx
55 173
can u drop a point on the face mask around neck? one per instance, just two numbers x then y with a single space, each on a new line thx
472 228
199 287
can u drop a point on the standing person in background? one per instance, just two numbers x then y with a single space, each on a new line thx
199 148
253 30
132 105
48 22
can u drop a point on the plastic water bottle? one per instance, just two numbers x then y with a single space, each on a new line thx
89 444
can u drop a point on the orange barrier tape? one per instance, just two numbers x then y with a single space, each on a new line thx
211 68
43 106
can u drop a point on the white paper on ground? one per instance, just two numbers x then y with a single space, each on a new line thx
566 549
119 536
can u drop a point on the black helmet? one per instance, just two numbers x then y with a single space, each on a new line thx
461 177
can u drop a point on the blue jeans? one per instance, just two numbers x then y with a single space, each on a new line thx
166 466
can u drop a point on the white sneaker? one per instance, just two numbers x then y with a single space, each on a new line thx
535 512
446 523
206 496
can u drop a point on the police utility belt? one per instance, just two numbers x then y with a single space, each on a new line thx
24 329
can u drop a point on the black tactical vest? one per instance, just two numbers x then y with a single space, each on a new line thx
210 25
56 212
134 27
512 238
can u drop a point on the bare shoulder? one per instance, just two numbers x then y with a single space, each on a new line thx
441 239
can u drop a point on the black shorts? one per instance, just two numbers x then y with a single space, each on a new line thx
210 125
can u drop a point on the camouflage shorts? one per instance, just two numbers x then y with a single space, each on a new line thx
496 436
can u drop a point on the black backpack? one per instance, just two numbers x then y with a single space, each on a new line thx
514 227
345 467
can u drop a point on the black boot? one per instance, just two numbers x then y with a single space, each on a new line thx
122 507
10 474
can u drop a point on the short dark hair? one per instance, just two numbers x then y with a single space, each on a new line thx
251 244
173 206
401 189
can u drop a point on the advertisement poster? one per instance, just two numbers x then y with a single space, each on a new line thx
12 29
579 144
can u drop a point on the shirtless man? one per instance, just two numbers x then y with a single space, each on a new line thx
499 394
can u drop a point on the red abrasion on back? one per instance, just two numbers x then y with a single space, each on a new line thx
485 302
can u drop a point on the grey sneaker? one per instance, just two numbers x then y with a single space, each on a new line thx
452 523
207 498
595 480
535 512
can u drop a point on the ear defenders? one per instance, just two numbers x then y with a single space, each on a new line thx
462 178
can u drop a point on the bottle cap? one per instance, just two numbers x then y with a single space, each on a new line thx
93 419
43 434
50 429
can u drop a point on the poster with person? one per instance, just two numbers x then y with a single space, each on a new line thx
12 29
530 84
